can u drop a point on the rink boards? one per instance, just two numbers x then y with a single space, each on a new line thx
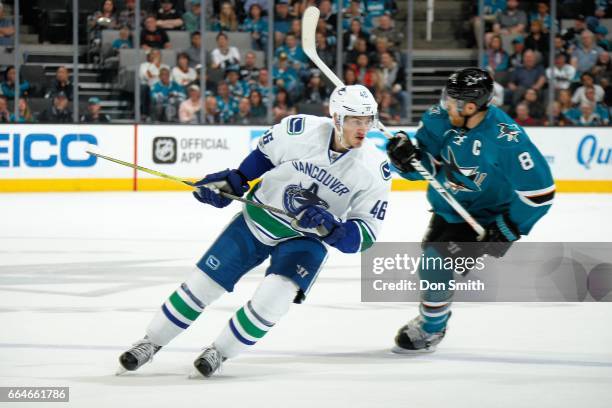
53 158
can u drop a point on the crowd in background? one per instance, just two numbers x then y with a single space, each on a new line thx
516 42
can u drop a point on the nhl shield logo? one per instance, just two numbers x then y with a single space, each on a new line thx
164 150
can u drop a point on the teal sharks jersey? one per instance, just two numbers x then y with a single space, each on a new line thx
491 169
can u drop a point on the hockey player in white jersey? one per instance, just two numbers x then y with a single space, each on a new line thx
322 170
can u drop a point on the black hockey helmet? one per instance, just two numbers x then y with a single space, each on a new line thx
469 85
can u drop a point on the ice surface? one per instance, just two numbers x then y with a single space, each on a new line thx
81 275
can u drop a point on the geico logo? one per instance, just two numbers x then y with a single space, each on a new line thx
43 150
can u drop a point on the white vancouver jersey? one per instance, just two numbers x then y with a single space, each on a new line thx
352 186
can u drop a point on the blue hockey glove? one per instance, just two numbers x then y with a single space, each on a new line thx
229 181
318 222
500 235
401 151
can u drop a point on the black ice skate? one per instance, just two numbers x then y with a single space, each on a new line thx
208 362
412 339
142 352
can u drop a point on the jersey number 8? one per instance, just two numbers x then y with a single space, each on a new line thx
526 161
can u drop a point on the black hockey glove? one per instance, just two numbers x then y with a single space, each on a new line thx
499 236
401 151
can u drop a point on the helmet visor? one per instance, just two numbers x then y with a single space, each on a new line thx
449 103
353 122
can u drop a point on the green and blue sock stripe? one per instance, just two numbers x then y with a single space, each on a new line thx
366 234
248 326
182 308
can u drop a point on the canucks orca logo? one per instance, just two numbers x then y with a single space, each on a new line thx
509 131
296 196
461 178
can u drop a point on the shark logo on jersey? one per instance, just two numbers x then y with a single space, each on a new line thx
434 110
296 197
509 131
460 178
458 136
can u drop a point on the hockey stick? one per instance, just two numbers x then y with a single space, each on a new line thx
190 184
309 26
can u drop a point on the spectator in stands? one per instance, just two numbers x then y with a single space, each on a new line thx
562 72
94 114
571 36
587 81
522 116
600 37
124 40
585 115
381 47
534 103
61 83
283 106
586 54
282 21
600 109
363 71
377 8
168 17
496 58
189 110
127 16
316 91
603 67
491 11
226 20
166 96
194 49
565 100
243 116
224 55
227 104
538 41
329 18
285 76
191 19
530 75
249 71
329 35
25 113
389 110
392 77
327 55
561 47
259 111
150 69
7 29
558 119
58 112
361 47
296 28
294 52
212 114
354 32
5 114
516 59
511 21
354 12
542 15
350 78
237 87
386 28
257 26
106 18
183 74
262 85
153 36
8 85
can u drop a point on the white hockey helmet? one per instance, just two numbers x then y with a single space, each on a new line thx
352 100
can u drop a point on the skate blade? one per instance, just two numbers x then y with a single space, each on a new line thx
120 371
399 350
194 374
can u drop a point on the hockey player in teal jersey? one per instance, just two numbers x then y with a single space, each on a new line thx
493 170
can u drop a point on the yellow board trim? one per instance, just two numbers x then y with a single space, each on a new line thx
61 185
154 184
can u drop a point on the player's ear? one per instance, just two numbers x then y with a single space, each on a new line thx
470 108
